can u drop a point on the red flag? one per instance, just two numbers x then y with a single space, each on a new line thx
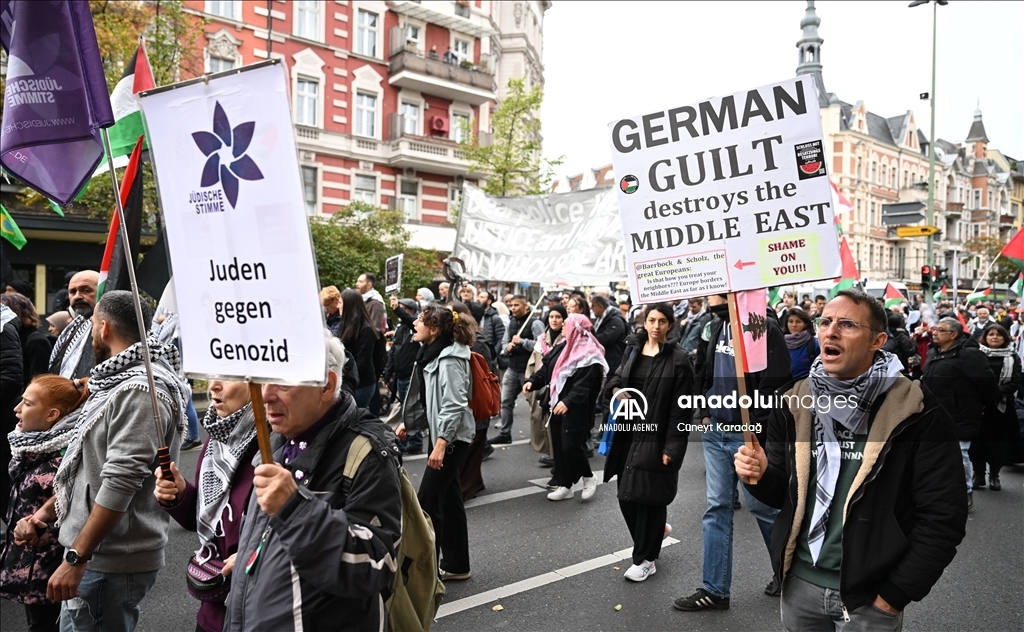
131 200
752 345
1014 249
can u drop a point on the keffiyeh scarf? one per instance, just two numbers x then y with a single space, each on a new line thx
53 440
864 390
1005 372
72 342
581 350
230 438
125 370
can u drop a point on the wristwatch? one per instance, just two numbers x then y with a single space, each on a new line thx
75 558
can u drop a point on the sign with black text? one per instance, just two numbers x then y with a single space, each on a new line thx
393 274
237 233
727 194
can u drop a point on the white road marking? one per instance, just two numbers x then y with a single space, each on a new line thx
537 581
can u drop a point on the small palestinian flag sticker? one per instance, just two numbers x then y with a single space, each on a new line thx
629 184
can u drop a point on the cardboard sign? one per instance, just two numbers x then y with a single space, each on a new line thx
727 194
393 274
238 238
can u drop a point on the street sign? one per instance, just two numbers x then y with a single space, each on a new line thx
916 231
902 213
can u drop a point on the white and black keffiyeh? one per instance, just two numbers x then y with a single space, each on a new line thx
864 390
125 370
230 438
71 343
53 440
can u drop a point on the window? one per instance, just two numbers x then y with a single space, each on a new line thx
366 34
218 65
461 50
411 119
460 128
364 189
874 171
860 217
871 214
413 37
977 201
454 200
223 8
366 115
407 200
309 189
307 19
305 102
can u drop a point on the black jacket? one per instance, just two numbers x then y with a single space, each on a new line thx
907 508
899 343
612 335
35 350
579 393
493 329
402 354
636 456
962 380
364 349
778 373
332 552
520 354
12 380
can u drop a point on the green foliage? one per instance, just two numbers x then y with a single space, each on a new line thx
988 248
512 160
359 238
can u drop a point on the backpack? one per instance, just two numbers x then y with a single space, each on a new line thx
416 591
485 400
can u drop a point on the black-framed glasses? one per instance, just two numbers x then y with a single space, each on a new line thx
846 326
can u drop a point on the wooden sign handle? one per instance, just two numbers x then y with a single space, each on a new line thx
262 428
741 381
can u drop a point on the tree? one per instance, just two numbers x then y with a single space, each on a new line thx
988 248
359 238
512 160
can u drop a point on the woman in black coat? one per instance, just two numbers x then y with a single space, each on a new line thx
361 340
999 442
35 346
573 369
650 436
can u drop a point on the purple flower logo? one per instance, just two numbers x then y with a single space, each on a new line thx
235 164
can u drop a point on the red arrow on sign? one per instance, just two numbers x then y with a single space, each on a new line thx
742 264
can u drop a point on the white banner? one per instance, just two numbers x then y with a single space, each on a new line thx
727 194
573 238
393 274
237 233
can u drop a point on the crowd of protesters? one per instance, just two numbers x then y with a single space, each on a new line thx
86 509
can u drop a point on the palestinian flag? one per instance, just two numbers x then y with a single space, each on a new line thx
774 297
977 297
1014 251
840 203
127 117
1018 286
849 275
10 229
940 294
114 268
892 296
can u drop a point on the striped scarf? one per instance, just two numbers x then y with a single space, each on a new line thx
864 390
230 438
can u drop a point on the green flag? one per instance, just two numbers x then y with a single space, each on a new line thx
1018 285
10 229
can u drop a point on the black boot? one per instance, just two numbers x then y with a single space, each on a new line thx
993 482
979 479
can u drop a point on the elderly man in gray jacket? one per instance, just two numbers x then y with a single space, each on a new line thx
112 530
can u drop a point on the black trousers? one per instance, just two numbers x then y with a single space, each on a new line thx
440 496
646 524
43 617
568 449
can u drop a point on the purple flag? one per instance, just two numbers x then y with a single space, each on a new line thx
56 99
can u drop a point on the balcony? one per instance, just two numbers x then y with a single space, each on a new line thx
411 71
954 208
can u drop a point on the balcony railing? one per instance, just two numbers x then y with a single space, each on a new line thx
475 77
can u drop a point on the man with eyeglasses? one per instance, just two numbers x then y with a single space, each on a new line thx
959 375
865 467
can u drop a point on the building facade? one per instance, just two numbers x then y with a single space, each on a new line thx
382 92
877 160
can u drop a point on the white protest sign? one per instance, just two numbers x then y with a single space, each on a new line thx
393 274
573 238
231 193
727 194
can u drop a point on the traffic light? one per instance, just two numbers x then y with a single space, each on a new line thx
941 274
926 277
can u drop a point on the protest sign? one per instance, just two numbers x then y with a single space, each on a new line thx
238 239
393 274
727 194
573 238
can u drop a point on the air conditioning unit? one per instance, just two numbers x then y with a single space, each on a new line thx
438 126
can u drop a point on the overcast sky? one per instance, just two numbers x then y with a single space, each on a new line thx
610 60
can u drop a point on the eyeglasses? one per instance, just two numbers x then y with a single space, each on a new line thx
846 326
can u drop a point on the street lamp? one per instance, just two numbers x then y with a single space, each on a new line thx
930 255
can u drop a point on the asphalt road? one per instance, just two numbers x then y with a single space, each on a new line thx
558 566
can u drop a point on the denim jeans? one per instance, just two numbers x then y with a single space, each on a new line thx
810 608
108 602
511 387
719 450
193 421
364 395
965 447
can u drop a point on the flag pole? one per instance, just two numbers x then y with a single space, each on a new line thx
741 378
163 452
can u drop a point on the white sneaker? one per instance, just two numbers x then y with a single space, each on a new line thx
668 529
589 487
562 493
640 572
